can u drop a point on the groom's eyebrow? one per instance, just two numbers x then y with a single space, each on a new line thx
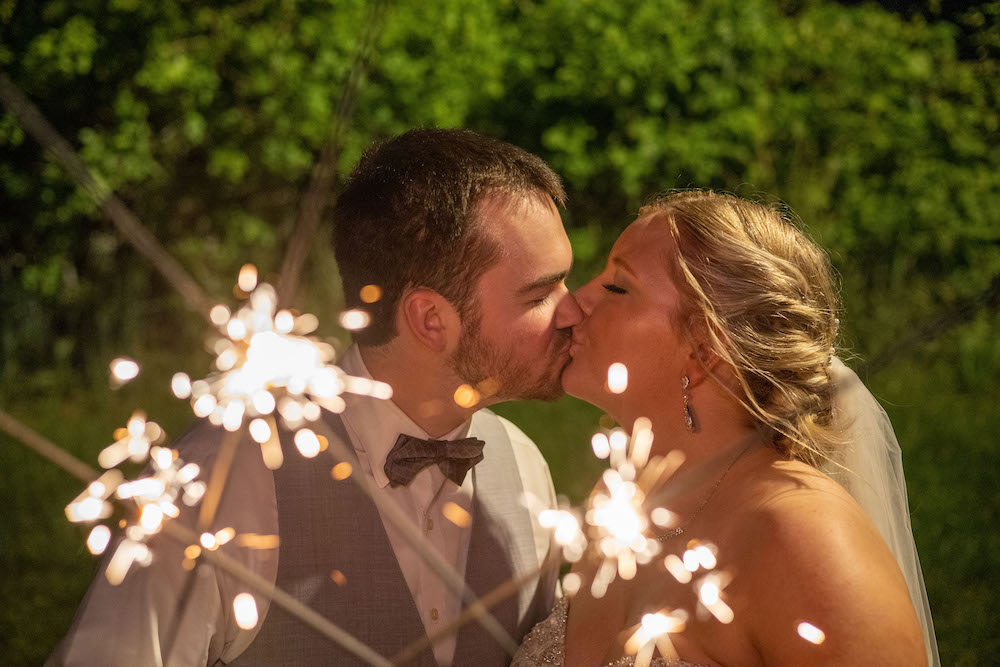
544 281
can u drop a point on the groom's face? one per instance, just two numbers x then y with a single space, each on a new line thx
515 338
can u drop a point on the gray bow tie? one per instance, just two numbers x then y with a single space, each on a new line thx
410 455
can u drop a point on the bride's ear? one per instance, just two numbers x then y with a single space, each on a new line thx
704 361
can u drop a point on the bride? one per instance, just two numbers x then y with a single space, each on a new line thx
725 316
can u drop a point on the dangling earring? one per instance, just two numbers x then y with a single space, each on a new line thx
688 417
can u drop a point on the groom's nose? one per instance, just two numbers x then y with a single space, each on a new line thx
568 313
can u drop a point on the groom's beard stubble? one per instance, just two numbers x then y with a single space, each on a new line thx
476 360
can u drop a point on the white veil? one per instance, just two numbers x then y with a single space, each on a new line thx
874 477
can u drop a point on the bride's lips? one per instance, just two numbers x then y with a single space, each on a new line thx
576 343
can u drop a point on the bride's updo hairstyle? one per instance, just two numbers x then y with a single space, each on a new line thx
764 295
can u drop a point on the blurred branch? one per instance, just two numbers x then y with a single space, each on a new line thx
958 314
317 196
130 227
40 445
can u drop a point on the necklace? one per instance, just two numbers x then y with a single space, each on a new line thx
670 534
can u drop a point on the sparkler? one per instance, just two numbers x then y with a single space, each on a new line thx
616 530
654 633
617 517
148 500
270 370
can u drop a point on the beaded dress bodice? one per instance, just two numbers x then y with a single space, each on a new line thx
544 645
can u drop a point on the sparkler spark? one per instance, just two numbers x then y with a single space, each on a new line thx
616 531
269 371
149 500
98 539
134 442
653 633
616 517
601 446
709 589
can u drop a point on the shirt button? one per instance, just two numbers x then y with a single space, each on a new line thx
434 614
430 524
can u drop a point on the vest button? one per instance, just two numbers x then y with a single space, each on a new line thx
434 614
430 524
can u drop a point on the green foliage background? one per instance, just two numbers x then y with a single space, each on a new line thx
880 130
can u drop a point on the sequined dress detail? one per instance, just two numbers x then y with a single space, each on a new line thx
544 645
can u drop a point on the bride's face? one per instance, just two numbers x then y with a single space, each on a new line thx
628 311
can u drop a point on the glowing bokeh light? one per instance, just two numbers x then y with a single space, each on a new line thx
601 446
245 611
307 443
124 369
371 293
355 319
466 396
151 518
225 535
98 539
571 583
811 633
457 515
675 566
617 378
341 471
284 322
219 315
247 280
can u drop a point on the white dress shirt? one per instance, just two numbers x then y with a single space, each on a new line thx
373 427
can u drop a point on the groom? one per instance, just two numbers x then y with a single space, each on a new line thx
453 244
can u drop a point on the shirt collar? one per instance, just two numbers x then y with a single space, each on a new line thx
377 423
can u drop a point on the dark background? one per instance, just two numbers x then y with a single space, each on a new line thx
877 124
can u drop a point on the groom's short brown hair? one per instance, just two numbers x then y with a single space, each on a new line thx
407 217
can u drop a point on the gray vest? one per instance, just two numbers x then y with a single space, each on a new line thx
326 525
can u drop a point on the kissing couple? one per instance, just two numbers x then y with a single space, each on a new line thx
725 316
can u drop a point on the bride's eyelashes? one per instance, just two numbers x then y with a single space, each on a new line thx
615 289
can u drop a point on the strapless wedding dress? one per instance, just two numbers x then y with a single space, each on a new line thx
544 645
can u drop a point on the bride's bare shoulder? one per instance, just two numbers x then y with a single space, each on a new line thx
812 555
791 486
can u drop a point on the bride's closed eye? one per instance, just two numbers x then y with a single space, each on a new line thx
615 289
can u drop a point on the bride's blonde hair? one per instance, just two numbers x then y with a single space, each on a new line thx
764 295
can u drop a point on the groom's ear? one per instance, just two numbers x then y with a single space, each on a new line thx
430 319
